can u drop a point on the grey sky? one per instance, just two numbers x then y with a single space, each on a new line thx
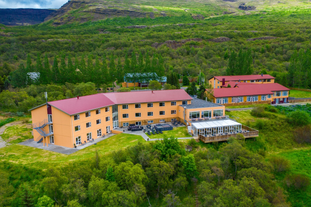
40 4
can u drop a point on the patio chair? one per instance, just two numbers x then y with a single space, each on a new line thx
149 133
153 133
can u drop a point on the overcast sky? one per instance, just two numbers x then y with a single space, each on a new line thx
39 4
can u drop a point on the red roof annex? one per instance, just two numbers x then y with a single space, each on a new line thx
244 77
86 103
249 90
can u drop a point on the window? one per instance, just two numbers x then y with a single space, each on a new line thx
269 96
252 81
218 100
98 111
162 120
284 93
88 114
150 122
89 136
108 118
173 103
263 97
77 128
150 113
173 112
99 133
137 114
249 98
162 113
125 115
255 98
278 93
51 128
125 124
107 109
138 123
206 114
78 140
98 121
269 80
137 106
150 105
161 104
76 117
125 106
88 124
184 102
194 115
50 118
52 139
218 113
225 100
237 99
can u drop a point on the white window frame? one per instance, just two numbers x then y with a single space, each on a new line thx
88 123
149 105
150 114
125 106
184 102
89 136
137 114
127 116
107 118
161 114
50 118
87 114
78 140
173 103
76 117
150 122
269 95
263 97
216 115
99 132
137 106
107 109
284 93
97 111
203 116
126 124
98 121
161 104
173 111
79 128
278 93
138 123
194 112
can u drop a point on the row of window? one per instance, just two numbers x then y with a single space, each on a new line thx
138 123
205 114
248 99
149 105
88 137
89 124
88 114
148 114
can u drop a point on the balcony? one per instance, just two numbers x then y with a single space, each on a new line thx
39 127
209 118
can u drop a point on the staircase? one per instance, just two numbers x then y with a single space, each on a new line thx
39 127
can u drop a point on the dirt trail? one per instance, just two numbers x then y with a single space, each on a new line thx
3 128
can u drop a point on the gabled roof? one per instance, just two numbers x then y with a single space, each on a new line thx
244 77
82 104
249 90
148 96
143 77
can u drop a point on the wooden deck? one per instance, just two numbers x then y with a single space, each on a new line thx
251 133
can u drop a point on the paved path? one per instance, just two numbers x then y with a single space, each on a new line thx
3 128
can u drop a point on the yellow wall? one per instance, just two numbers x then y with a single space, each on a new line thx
205 109
125 84
218 83
39 115
94 127
62 128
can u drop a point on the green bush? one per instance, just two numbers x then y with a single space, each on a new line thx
6 121
298 181
302 134
280 164
298 118
272 109
258 112
260 124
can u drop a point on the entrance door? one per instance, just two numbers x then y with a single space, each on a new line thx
115 124
277 101
107 129
52 139
138 123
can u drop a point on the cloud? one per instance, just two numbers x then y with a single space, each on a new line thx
39 4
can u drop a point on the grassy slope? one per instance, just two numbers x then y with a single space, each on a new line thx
43 159
300 94
176 132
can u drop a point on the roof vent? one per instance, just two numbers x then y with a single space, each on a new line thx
261 74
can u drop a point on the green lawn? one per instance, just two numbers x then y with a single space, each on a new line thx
246 106
176 132
16 134
43 159
299 94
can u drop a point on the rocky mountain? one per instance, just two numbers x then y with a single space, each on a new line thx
13 17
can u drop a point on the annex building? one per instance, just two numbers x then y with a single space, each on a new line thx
248 89
74 121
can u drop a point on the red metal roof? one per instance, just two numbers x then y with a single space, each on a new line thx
243 77
249 90
86 103
148 96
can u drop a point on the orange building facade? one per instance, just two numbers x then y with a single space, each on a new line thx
72 122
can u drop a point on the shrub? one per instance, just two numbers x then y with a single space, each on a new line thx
260 124
272 109
258 112
298 118
298 181
280 164
302 134
123 89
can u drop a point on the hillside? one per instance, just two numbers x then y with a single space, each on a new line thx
14 17
92 10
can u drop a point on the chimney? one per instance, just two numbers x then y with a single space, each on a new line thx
261 74
223 81
77 97
152 91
